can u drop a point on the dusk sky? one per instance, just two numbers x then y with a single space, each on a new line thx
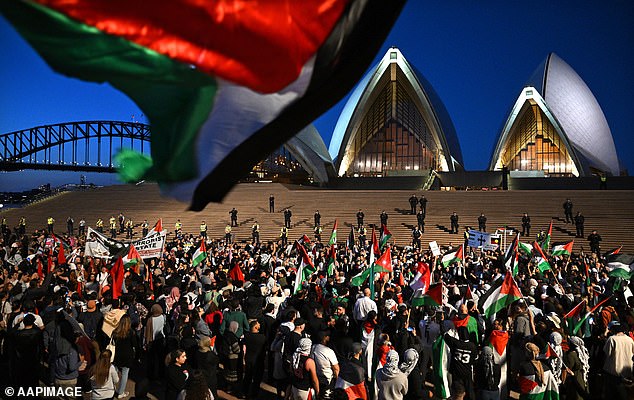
477 54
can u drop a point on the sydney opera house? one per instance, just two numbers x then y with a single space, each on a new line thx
395 125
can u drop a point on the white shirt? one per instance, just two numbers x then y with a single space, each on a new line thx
362 307
325 359
18 320
619 350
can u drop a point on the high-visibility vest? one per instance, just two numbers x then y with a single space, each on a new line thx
51 221
99 223
228 229
255 228
178 226
203 227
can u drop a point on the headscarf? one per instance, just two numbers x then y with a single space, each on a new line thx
173 298
303 349
487 355
556 364
390 368
410 359
233 326
532 353
583 354
155 311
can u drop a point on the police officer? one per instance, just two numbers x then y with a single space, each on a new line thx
317 218
287 218
595 240
383 217
121 219
416 235
271 203
234 216
360 216
413 202
203 230
178 226
70 222
255 233
420 218
526 225
50 222
454 222
129 225
22 226
318 230
82 227
423 204
284 235
579 221
228 234
568 210
99 225
482 223
145 227
362 235
113 227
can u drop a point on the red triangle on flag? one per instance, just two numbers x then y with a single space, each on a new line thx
61 257
385 261
577 310
498 341
158 227
236 273
435 292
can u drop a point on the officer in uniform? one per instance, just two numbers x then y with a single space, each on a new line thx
595 240
454 222
178 226
146 227
360 216
271 203
255 233
416 235
318 231
568 210
579 221
317 218
383 218
82 227
423 204
113 227
50 222
99 225
284 235
413 202
70 222
287 218
121 219
482 223
129 225
22 226
362 236
234 216
203 230
526 225
541 236
420 217
228 234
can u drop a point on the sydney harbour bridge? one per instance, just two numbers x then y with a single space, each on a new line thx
88 146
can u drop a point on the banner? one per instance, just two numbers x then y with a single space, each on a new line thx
100 246
479 239
495 243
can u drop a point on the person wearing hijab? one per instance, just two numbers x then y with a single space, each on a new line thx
230 356
534 379
576 360
391 381
415 382
488 375
172 299
556 363
155 342
304 372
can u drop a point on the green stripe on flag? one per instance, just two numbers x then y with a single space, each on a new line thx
176 98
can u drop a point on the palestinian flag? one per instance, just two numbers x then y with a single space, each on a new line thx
514 267
350 240
352 380
117 274
158 227
305 270
40 268
579 324
49 261
451 258
333 235
510 255
61 257
385 236
200 254
432 297
332 259
384 263
501 294
222 85
470 323
545 244
361 277
574 315
613 251
621 266
374 250
549 353
540 258
441 358
526 247
563 249
531 390
422 278
236 273
498 341
132 259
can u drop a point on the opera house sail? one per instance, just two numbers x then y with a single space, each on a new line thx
556 128
393 125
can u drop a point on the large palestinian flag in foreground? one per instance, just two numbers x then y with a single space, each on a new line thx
223 85
441 354
501 294
531 390
431 297
498 341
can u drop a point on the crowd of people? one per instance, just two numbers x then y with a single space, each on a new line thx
291 316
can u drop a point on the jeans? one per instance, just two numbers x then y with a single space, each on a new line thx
124 379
